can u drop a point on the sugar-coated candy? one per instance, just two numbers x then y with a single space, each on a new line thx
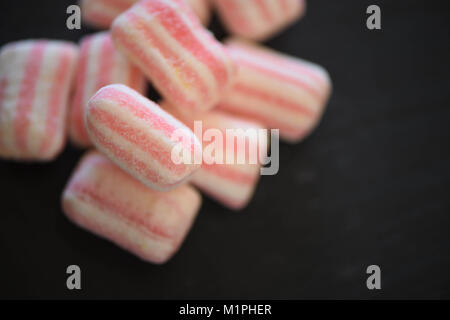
99 64
101 13
105 200
258 19
35 81
279 91
140 137
231 184
187 65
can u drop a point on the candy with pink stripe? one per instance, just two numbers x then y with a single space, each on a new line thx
101 13
231 184
258 19
140 137
103 199
188 66
35 80
99 64
279 91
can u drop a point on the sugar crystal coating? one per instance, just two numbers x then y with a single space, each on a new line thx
99 64
277 90
258 19
140 137
103 199
184 62
35 81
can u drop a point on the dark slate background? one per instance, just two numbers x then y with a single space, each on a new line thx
370 186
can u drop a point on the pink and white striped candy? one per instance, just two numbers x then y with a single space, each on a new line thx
277 90
258 19
35 81
99 64
101 13
140 137
232 185
103 199
188 66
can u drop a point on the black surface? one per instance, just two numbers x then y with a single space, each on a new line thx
370 186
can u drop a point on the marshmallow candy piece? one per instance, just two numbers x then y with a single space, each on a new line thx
101 13
35 81
279 91
103 199
188 66
99 64
231 184
258 19
140 137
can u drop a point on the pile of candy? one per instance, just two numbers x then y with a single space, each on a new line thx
129 190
